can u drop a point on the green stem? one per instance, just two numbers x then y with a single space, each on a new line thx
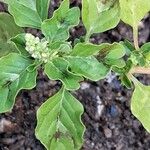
135 37
87 36
134 80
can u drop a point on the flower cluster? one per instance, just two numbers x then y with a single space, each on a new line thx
37 48
134 60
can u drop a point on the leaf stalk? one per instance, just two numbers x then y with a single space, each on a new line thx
140 70
135 37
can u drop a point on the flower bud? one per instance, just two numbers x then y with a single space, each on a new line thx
37 48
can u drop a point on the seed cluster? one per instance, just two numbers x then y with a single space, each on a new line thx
37 48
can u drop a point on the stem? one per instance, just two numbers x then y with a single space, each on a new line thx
135 37
140 70
87 36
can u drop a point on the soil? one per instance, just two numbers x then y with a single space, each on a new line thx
107 117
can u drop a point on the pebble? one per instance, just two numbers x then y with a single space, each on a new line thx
100 107
85 85
113 111
110 77
4 124
108 133
8 141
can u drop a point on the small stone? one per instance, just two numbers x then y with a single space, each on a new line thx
108 133
92 144
4 124
8 141
113 111
100 107
84 86
110 77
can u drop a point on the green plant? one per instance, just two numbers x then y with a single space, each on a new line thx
59 123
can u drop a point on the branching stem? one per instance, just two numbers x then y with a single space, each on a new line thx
140 70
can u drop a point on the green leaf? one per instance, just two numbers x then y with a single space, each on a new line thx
140 103
133 11
110 51
14 76
61 47
89 13
97 20
126 81
116 51
42 8
59 122
146 50
129 48
114 55
87 49
57 69
20 44
138 58
88 67
57 28
8 28
103 5
25 13
125 70
120 63
6 48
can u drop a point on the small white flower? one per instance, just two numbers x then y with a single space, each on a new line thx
34 55
44 55
27 47
32 48
29 37
44 44
37 40
39 47
46 50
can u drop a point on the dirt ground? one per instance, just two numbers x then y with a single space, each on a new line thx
108 119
